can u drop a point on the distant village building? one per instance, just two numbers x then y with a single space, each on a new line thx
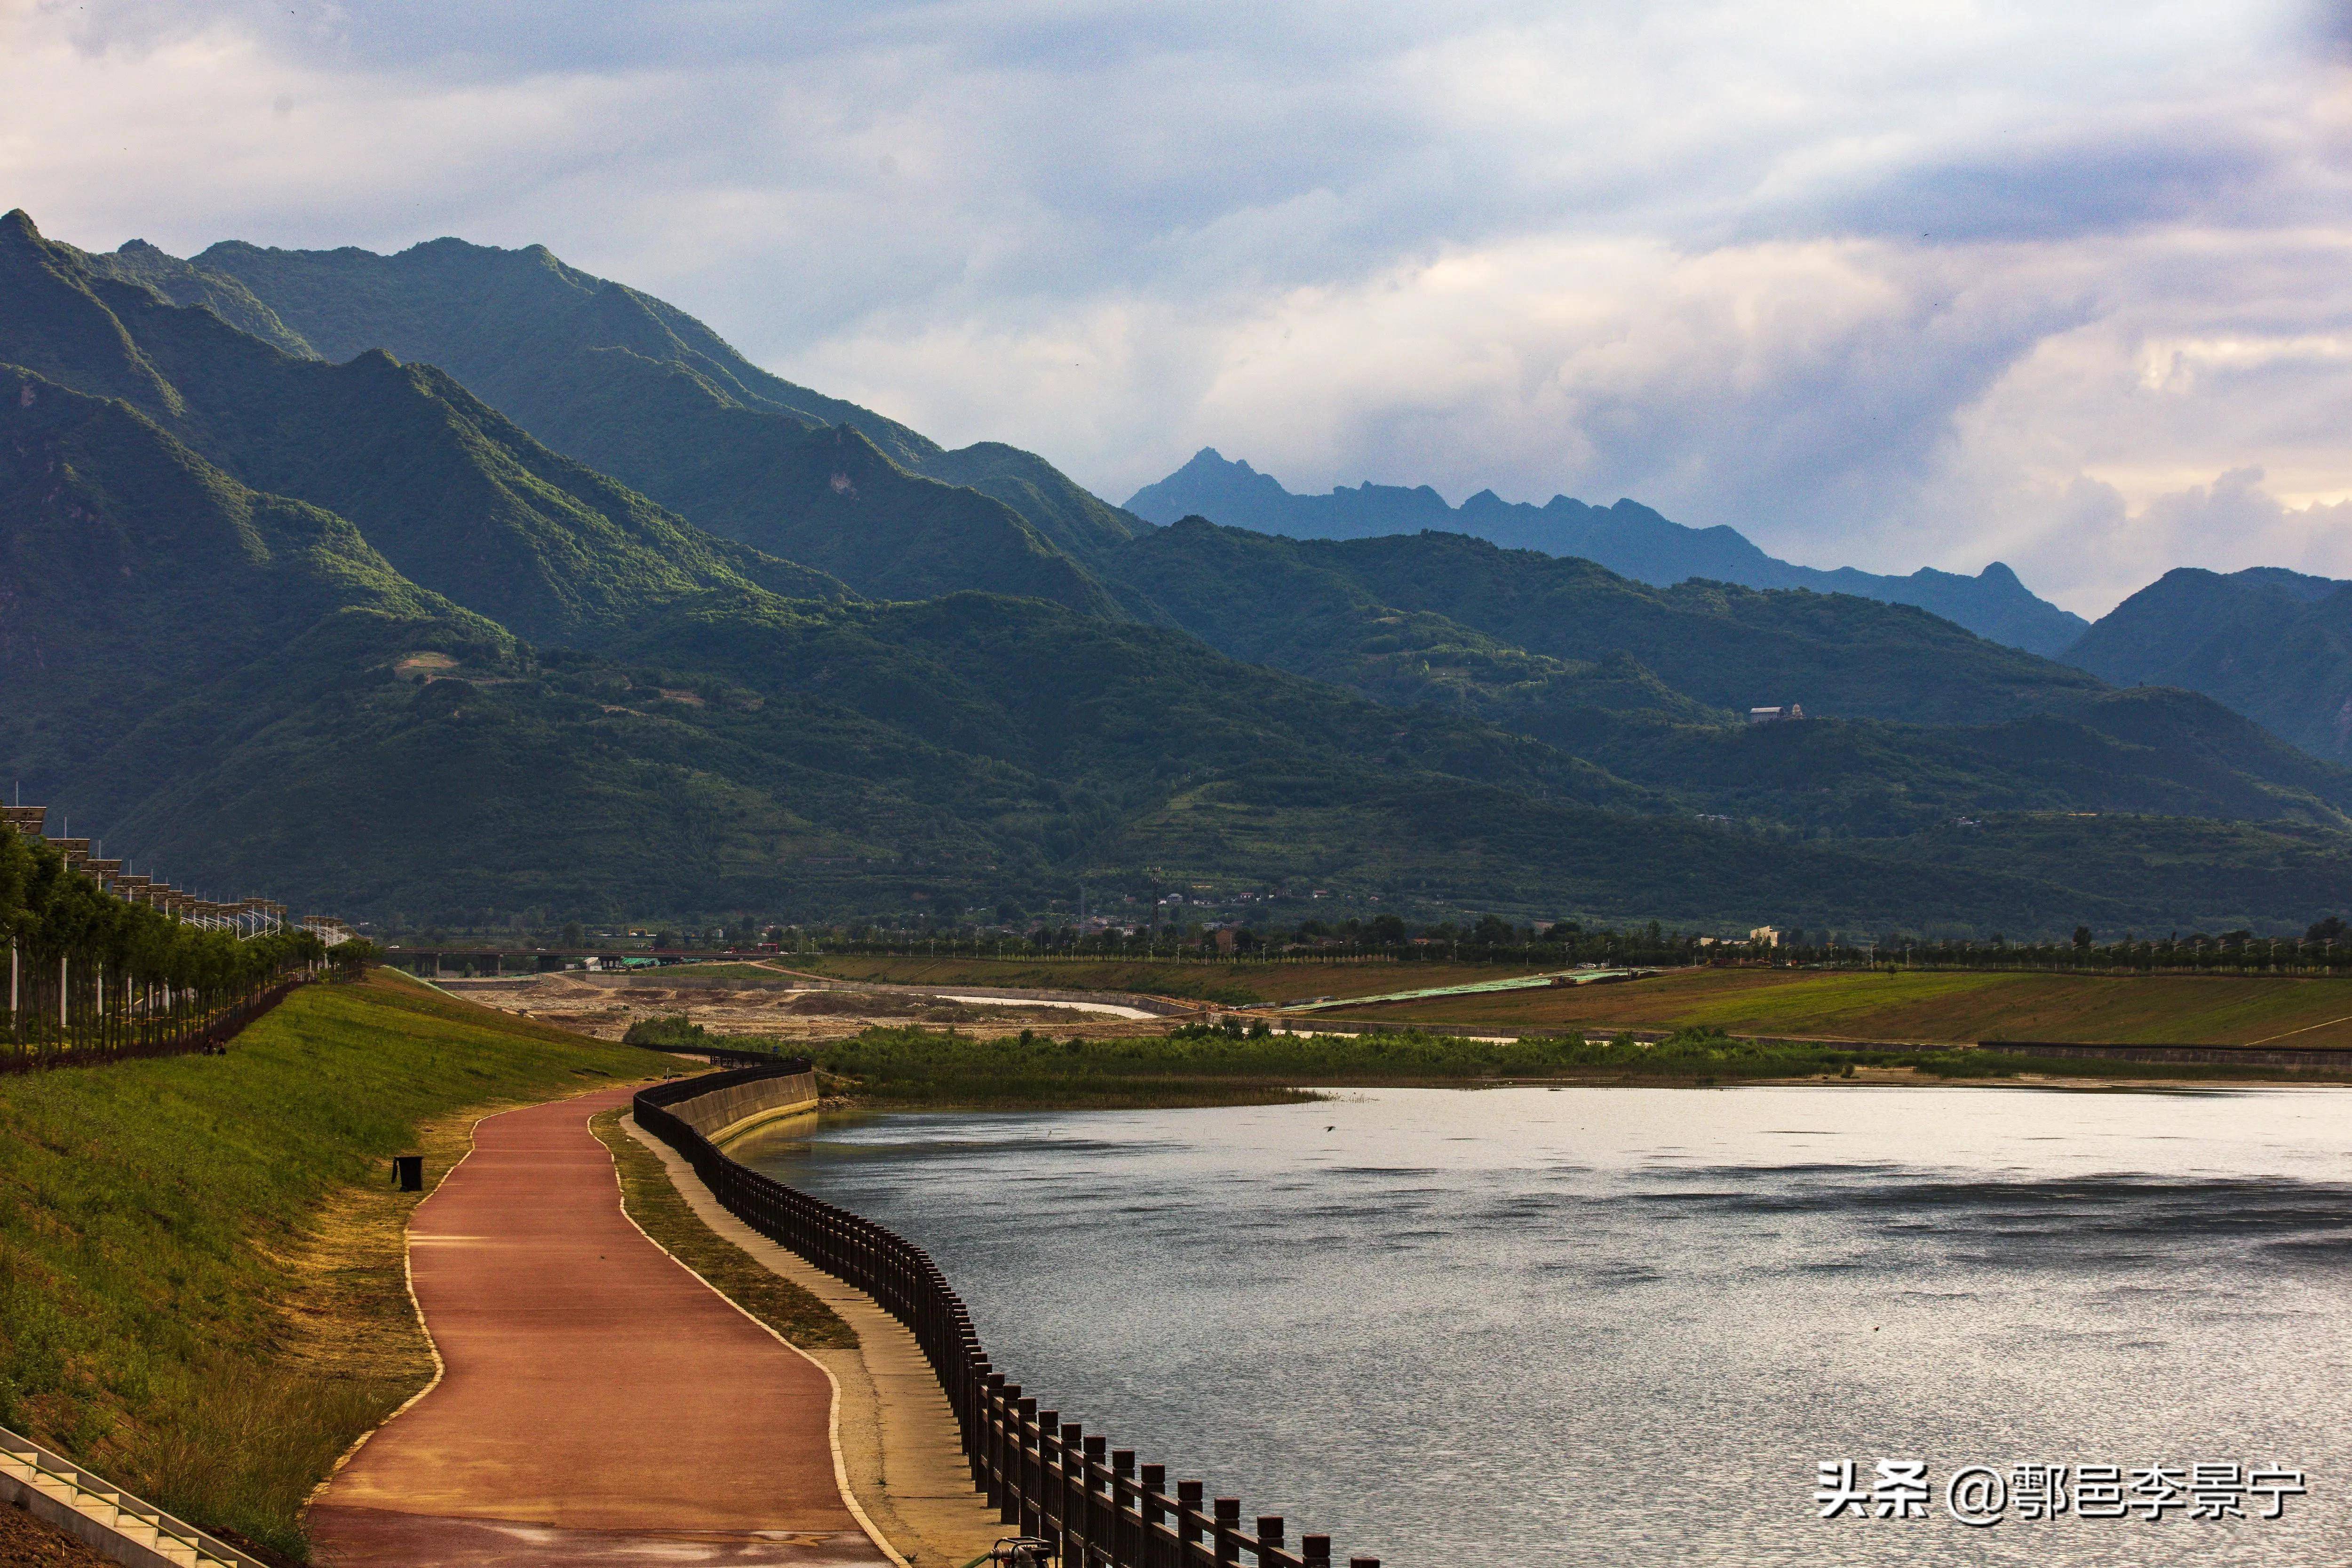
1774 715
1765 936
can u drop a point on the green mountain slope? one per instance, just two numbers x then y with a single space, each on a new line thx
2051 741
184 283
132 571
1728 647
546 342
1868 778
2275 646
455 496
497 785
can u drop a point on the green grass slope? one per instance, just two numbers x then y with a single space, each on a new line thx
152 1215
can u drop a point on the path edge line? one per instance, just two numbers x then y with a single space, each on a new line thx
833 1411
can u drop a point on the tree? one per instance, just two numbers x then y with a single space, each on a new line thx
573 935
2329 930
2082 936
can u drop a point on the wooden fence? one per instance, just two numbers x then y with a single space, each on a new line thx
1047 1477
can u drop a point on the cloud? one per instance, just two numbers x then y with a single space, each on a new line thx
1886 286
2231 524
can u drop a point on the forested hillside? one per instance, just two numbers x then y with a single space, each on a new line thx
2274 644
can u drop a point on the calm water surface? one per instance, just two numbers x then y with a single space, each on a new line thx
1623 1326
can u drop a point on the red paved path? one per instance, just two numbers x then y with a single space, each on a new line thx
599 1403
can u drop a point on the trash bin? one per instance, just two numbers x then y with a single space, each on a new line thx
408 1170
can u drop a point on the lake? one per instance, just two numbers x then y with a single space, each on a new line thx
1621 1326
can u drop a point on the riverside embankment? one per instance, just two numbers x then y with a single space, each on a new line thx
897 1439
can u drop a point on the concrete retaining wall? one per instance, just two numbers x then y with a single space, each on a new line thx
724 1113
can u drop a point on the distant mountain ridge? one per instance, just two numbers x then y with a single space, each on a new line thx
1627 538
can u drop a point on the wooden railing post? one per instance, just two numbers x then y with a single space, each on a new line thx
1126 1543
1155 1488
1029 1465
1229 1529
1095 1454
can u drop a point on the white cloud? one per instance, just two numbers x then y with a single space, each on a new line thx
1886 286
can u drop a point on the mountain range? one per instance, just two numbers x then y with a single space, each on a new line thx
461 583
1627 538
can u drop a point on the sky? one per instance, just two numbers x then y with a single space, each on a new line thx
1880 285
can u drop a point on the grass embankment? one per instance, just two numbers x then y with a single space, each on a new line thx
1958 1008
201 1285
653 1202
1233 984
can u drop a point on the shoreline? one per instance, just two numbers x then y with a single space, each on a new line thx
1217 1094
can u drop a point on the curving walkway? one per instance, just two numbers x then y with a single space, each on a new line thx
599 1405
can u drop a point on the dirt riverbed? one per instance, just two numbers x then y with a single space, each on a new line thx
605 1005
